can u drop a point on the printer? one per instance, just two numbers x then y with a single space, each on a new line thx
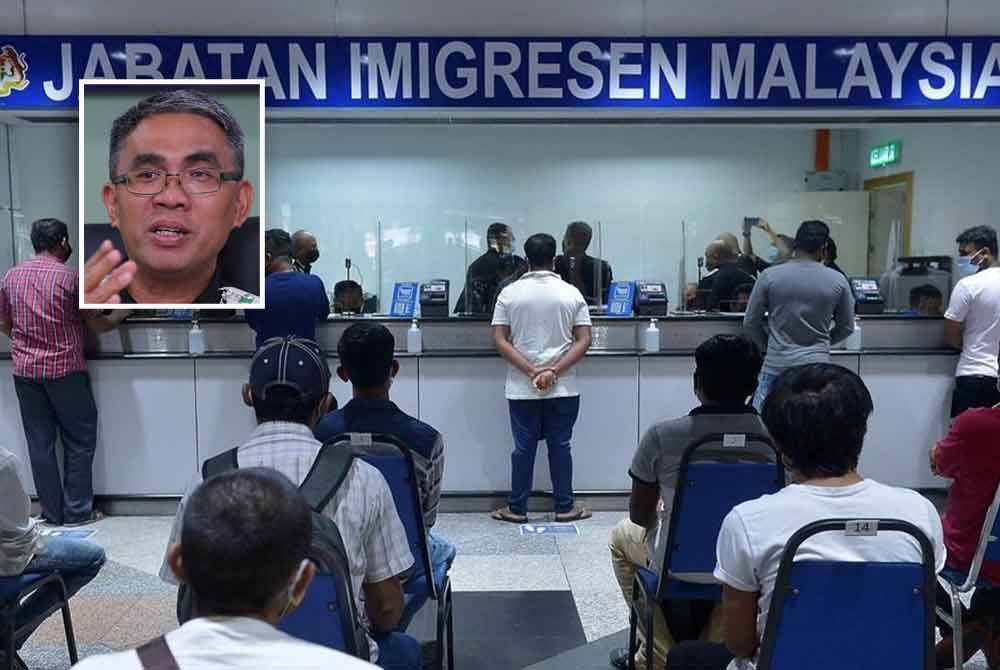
434 299
867 298
650 298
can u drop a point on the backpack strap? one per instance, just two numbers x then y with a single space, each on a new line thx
224 462
326 475
156 655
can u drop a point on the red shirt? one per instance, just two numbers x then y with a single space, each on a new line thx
38 298
970 454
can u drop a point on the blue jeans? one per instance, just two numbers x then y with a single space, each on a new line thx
78 561
551 419
442 553
763 388
397 651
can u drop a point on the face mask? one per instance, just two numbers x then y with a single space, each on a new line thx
773 255
290 604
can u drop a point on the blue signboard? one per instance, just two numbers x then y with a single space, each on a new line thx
673 72
621 296
404 299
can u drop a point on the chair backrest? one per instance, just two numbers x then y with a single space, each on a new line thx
390 456
859 615
989 538
717 472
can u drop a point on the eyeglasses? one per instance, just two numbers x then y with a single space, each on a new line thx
194 181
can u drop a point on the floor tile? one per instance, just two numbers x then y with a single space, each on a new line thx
479 535
508 573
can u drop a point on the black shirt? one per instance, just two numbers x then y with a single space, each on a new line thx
211 295
485 278
752 265
594 276
719 288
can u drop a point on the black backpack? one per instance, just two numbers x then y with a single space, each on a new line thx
327 551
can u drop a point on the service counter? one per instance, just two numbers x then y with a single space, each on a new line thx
163 411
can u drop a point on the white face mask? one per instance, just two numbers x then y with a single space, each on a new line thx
290 603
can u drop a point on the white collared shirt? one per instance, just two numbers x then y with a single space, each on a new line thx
221 643
542 310
18 531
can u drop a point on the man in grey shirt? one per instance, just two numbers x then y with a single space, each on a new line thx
808 307
726 370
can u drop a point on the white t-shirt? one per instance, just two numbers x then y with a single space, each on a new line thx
541 310
754 534
220 643
975 302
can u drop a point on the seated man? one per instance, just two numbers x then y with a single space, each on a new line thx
925 300
22 550
366 361
817 415
589 274
348 297
296 301
720 285
243 553
968 455
725 377
288 389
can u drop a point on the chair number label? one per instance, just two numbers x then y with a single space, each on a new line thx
361 439
734 440
861 527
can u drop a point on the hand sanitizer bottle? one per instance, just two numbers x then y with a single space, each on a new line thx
196 339
414 339
652 337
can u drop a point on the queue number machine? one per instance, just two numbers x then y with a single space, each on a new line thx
867 297
639 298
434 298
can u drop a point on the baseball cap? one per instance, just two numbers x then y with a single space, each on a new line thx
289 362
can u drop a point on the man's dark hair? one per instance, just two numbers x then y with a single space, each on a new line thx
497 230
818 417
366 352
581 233
812 236
244 535
540 250
726 369
180 101
345 287
924 291
278 243
283 403
831 250
46 234
979 237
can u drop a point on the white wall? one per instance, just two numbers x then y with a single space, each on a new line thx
423 183
955 177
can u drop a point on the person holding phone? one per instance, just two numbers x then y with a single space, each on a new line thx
780 249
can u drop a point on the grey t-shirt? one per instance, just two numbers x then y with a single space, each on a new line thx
658 459
808 308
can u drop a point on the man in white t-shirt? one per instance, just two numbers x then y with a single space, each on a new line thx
817 415
541 325
254 522
972 322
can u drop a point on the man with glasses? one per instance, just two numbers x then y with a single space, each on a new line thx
176 191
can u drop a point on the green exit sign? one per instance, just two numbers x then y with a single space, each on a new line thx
885 154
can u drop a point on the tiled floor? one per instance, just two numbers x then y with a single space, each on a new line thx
127 603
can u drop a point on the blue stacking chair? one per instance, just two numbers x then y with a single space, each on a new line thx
959 582
327 615
392 458
717 472
17 590
831 615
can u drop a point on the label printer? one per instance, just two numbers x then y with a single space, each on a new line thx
650 298
434 298
867 298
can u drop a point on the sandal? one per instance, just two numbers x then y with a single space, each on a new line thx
578 513
504 514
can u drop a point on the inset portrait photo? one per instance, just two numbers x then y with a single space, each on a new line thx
172 194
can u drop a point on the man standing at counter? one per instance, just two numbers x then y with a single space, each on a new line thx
295 301
972 321
541 325
590 275
801 298
487 274
305 251
39 313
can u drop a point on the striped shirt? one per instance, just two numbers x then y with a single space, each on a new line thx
38 298
374 415
363 508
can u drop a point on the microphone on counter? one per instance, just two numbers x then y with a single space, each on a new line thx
701 264
347 266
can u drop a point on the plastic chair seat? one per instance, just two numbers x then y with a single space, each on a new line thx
956 578
10 587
